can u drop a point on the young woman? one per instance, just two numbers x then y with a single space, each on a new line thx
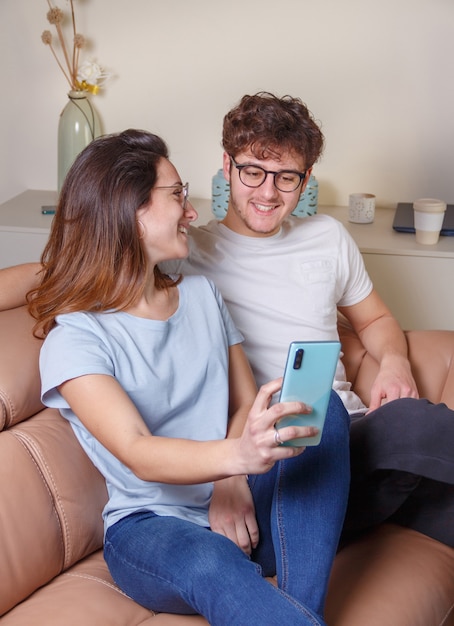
150 372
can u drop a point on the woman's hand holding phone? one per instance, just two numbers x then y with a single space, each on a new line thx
258 447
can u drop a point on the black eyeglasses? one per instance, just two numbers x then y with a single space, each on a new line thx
180 190
254 176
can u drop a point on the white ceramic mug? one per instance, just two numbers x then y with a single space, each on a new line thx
429 214
361 208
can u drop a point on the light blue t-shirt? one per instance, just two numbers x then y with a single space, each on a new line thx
175 372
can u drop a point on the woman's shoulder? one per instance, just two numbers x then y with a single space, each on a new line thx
200 287
78 318
198 281
85 322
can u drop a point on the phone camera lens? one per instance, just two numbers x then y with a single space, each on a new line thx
298 359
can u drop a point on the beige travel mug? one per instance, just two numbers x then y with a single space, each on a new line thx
429 214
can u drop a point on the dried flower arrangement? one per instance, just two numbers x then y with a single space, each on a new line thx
87 77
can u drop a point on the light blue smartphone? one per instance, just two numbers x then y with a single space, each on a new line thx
308 377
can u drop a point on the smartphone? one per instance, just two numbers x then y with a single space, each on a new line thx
308 377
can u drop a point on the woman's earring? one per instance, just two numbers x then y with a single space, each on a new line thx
141 229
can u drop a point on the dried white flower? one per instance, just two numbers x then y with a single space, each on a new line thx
90 73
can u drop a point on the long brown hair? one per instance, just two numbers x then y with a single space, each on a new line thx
93 260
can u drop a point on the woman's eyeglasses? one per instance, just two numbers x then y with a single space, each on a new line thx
180 190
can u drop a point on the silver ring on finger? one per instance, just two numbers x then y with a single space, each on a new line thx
277 438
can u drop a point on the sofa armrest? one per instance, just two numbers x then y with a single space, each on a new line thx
431 355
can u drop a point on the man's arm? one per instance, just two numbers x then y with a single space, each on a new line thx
383 338
16 282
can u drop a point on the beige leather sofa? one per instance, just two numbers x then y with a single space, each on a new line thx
51 567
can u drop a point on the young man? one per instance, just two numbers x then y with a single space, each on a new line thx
285 278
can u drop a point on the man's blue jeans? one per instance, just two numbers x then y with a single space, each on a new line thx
171 565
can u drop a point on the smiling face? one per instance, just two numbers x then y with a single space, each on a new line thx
163 222
259 211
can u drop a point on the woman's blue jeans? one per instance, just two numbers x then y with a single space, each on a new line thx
171 565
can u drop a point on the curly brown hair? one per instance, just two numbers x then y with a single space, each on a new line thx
270 126
94 260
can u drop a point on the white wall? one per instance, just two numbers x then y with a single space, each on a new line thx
378 75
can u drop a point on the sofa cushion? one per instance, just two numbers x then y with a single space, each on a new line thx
19 373
86 595
393 576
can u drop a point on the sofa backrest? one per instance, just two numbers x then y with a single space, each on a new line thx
19 372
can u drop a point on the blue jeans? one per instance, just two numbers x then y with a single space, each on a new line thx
171 565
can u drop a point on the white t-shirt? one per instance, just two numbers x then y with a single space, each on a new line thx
176 373
283 288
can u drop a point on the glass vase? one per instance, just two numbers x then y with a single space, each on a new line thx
79 124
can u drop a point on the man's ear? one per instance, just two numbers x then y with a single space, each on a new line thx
226 165
306 180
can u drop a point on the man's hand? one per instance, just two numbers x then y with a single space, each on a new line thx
394 380
232 512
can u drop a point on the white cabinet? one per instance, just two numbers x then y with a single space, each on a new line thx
23 228
414 280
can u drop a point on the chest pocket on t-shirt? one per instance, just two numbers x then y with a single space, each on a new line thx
318 280
317 271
